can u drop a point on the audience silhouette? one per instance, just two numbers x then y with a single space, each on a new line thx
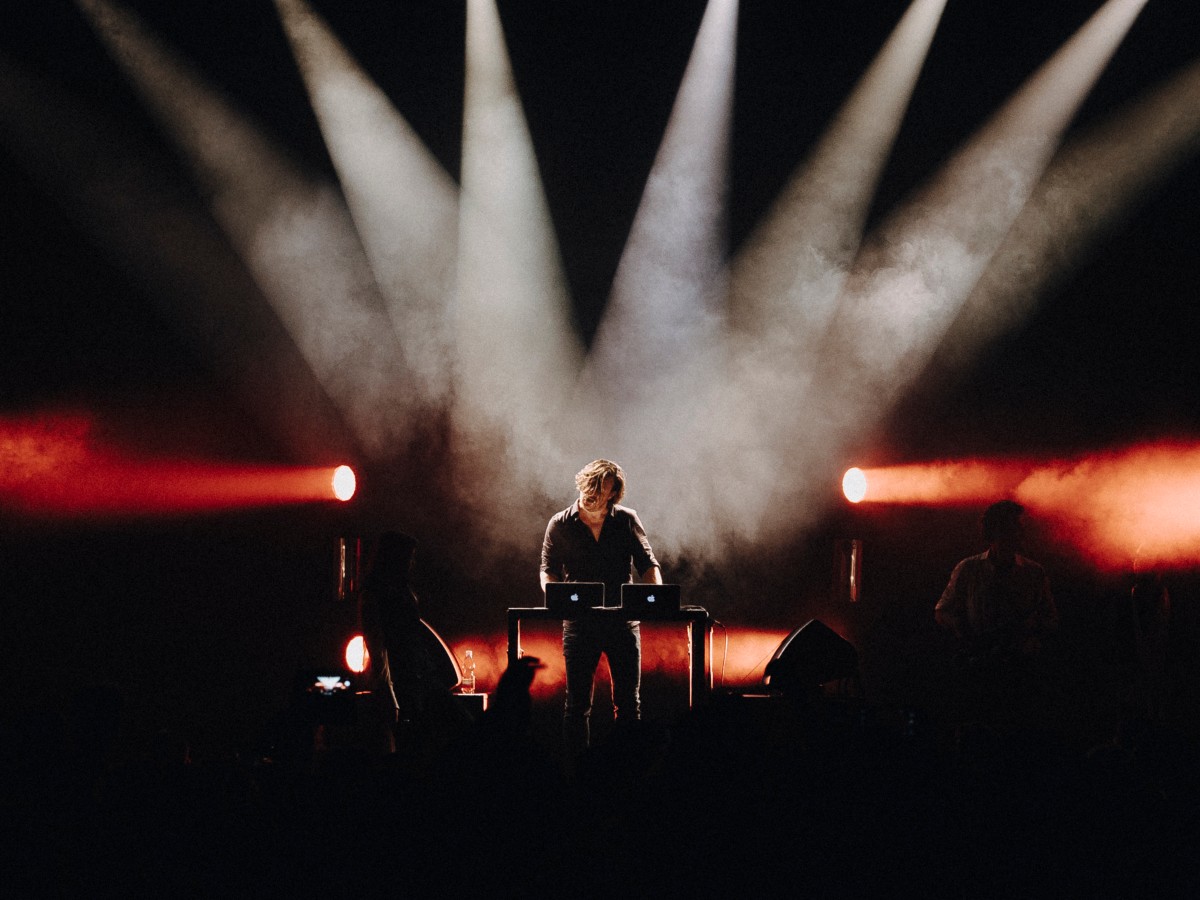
748 793
745 794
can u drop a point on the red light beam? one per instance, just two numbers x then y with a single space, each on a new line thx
1133 508
939 483
53 467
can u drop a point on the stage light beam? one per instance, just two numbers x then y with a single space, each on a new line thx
747 416
119 191
292 231
1128 510
786 278
917 270
62 466
947 483
518 353
1120 509
1093 183
663 320
906 284
404 204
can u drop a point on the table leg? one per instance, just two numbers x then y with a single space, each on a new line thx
514 639
697 635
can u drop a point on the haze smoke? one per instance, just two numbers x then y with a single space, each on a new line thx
294 235
731 435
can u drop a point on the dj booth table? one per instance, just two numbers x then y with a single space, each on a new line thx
697 619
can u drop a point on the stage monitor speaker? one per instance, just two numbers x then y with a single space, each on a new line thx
446 670
809 657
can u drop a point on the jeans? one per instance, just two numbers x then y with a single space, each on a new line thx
583 642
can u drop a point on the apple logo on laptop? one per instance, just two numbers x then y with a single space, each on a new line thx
650 598
574 598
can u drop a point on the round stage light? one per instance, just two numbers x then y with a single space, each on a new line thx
854 485
357 657
344 483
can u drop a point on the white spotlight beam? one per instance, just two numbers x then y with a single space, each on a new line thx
917 271
294 235
787 277
903 290
1095 181
783 288
404 204
656 341
518 352
115 190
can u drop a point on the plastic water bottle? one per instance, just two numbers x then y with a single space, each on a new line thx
468 679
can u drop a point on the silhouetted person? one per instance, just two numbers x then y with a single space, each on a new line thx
497 816
511 709
410 673
1149 629
594 539
998 604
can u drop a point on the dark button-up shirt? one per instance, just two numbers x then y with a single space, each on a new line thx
570 553
984 601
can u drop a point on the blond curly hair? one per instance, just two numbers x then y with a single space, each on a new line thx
590 479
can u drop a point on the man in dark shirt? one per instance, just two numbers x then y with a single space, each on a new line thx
999 606
594 539
999 602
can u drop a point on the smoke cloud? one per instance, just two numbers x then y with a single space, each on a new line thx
732 395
